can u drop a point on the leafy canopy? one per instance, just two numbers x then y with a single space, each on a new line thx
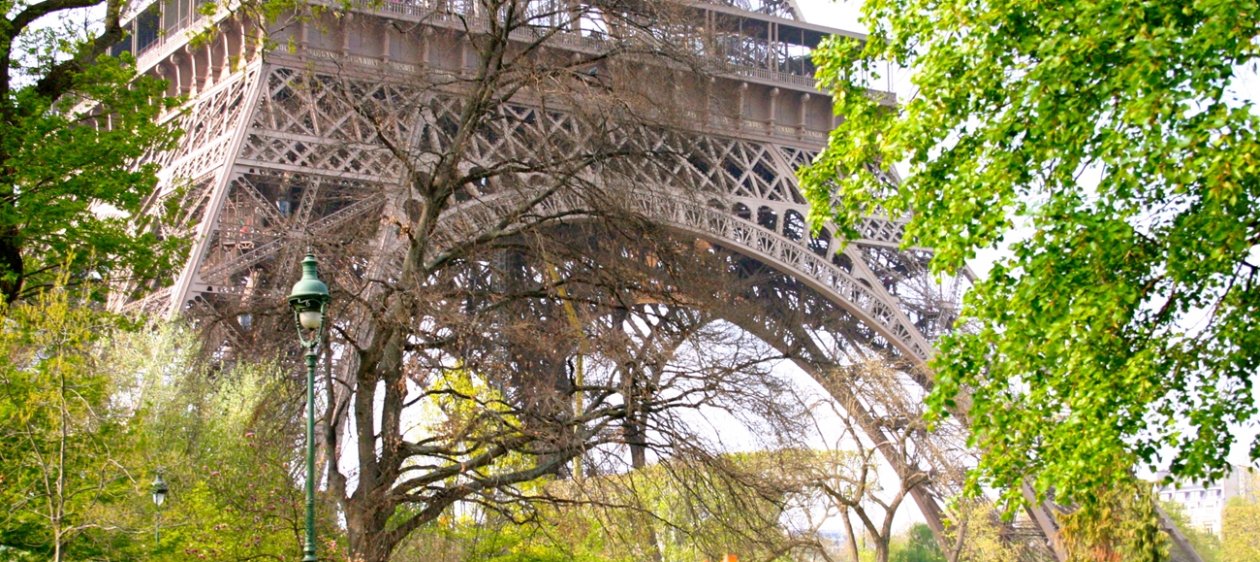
1240 523
60 429
73 125
1240 527
918 545
91 405
1105 140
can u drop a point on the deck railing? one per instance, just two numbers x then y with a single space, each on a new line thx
743 44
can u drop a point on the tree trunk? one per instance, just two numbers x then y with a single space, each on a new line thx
12 267
368 543
881 550
854 555
368 550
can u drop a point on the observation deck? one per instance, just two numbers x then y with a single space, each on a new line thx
762 51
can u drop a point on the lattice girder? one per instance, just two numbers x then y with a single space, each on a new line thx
283 155
736 192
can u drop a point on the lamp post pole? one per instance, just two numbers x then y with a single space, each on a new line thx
308 553
309 301
159 489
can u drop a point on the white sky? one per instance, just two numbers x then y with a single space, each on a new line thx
842 14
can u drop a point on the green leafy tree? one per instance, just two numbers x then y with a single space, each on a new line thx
1113 525
72 123
671 511
976 535
91 406
226 437
1106 142
707 512
1206 543
917 545
1240 531
558 535
60 430
704 510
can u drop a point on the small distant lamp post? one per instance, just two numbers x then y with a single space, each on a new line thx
159 497
309 301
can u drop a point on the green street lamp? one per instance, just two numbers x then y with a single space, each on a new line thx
309 300
159 497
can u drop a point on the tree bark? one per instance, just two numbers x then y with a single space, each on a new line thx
854 555
369 542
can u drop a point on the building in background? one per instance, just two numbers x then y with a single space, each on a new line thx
1204 502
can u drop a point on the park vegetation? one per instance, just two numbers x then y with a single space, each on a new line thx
1110 148
531 390
73 120
94 405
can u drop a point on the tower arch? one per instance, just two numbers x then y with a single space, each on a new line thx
324 144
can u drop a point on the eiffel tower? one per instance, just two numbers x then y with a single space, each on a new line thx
307 130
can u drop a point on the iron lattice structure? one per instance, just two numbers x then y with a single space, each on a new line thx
308 130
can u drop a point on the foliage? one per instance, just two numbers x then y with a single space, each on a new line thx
226 440
91 407
73 122
60 430
1240 530
1205 543
1105 141
680 511
667 512
700 512
1114 525
917 545
975 533
562 535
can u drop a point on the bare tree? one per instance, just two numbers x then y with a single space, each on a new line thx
513 252
497 354
880 425
512 311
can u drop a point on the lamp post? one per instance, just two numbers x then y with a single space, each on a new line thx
159 497
309 301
